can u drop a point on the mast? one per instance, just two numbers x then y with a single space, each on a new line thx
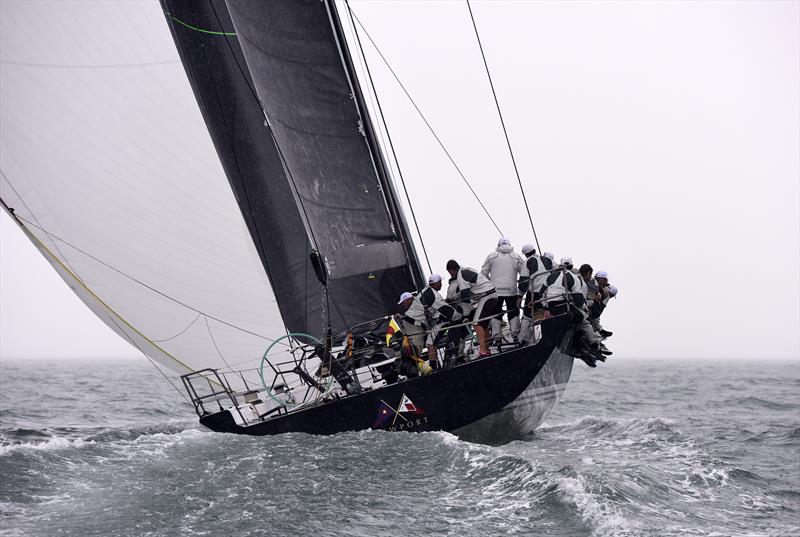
378 157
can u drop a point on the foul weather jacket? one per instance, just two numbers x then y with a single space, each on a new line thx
427 306
502 267
534 274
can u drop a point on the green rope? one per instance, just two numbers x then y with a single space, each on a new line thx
196 29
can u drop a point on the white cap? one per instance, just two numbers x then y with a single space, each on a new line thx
527 248
549 256
504 241
612 291
405 296
601 274
433 278
566 260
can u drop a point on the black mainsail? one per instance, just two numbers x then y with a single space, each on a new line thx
311 177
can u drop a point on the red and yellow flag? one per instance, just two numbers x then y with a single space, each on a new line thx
393 329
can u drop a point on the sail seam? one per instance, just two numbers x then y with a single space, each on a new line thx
98 66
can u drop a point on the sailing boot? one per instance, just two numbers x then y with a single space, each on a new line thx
514 326
596 353
605 333
525 332
497 330
588 360
604 350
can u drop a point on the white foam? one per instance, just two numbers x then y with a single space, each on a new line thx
603 517
53 444
58 443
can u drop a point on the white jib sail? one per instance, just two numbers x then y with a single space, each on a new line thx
106 160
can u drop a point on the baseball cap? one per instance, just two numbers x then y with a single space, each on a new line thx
405 296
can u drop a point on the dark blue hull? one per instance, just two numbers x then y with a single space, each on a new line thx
445 400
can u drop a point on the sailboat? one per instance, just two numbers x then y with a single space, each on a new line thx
276 224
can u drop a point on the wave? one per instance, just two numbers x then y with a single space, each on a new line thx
604 518
635 429
517 483
759 403
790 437
13 440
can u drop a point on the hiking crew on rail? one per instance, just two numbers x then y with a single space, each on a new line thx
535 284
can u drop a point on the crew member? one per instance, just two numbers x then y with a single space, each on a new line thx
532 278
562 284
424 314
531 281
596 309
456 334
502 267
591 291
481 293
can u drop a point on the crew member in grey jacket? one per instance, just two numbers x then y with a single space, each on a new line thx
503 267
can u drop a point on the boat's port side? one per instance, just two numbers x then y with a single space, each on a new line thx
254 396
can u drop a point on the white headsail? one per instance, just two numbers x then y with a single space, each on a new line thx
107 162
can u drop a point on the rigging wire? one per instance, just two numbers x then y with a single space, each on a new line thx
47 252
424 119
179 333
25 204
161 293
388 135
214 341
503 123
132 342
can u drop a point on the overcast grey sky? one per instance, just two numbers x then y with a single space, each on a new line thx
658 141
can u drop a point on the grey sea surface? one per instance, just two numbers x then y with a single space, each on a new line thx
653 449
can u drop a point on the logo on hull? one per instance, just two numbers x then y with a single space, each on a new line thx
405 417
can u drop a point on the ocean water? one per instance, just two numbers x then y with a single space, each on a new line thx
651 449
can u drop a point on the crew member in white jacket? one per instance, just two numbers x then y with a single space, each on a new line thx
566 282
424 316
502 267
476 288
532 280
